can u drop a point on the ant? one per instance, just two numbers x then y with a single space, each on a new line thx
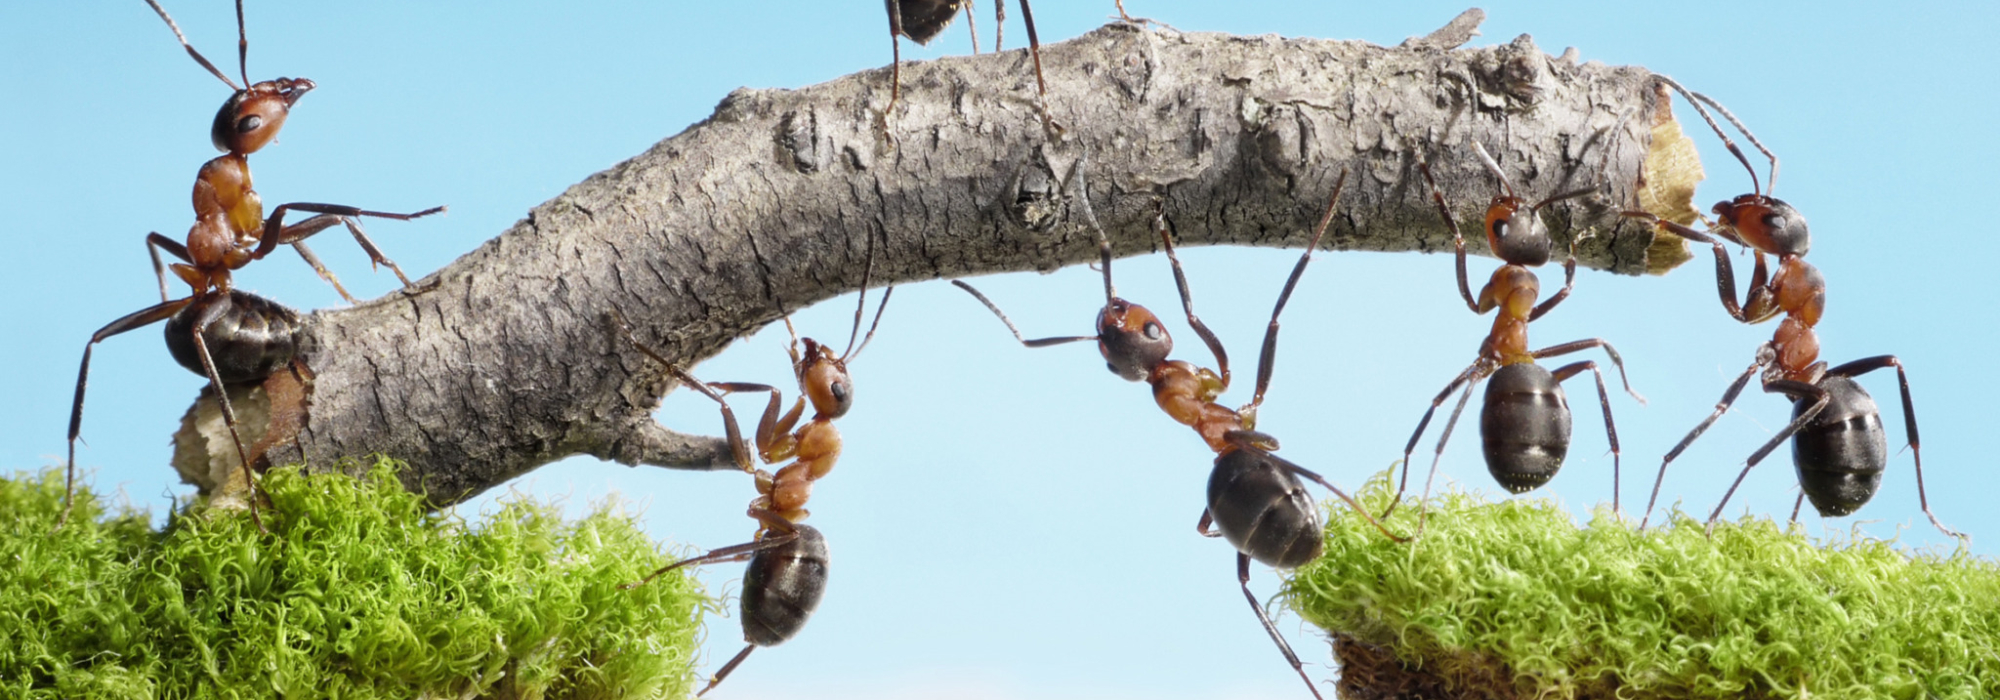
786 576
1525 423
231 337
230 228
1838 443
257 335
923 20
1255 499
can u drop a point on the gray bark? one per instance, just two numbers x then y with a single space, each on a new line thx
504 360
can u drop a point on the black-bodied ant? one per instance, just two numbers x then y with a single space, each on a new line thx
1255 498
1524 425
786 576
923 20
1838 444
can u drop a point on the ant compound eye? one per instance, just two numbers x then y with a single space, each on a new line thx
840 391
1112 367
1153 331
249 123
1775 222
1500 227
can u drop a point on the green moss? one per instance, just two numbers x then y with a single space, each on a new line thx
357 592
1513 599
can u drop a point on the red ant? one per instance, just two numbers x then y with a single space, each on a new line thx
1255 498
786 576
1525 422
255 335
1838 444
923 20
230 228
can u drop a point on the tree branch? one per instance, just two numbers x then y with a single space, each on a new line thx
504 361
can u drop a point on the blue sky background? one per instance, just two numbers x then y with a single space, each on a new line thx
1007 522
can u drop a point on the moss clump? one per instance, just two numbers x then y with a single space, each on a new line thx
1513 599
356 593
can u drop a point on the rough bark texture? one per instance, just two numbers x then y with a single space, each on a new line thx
504 360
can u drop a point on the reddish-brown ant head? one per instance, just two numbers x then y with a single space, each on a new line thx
251 118
1132 340
823 378
1515 232
1765 223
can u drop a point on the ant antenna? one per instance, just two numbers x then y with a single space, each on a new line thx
1493 167
1697 99
861 305
1090 217
198 58
242 45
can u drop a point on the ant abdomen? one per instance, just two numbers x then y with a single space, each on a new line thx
1842 452
782 586
1524 426
1261 508
249 338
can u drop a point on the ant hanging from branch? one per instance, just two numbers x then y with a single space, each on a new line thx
1525 423
923 20
1255 498
230 228
786 576
1838 444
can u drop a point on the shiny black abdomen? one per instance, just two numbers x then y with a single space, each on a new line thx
781 587
1262 509
1840 454
1524 427
250 338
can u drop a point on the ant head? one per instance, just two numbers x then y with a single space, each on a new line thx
1765 223
823 378
251 118
1515 232
1132 339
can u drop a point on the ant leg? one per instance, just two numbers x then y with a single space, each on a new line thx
1476 370
156 243
1579 345
1798 504
734 434
139 319
208 316
1798 391
774 434
1351 503
1728 397
971 28
1457 239
1758 304
1243 577
1036 343
895 64
1206 526
1610 429
1035 54
1165 229
735 552
999 24
1423 515
1866 365
320 268
1569 281
275 229
726 668
1267 360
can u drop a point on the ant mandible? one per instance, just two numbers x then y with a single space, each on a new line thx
1838 444
923 20
786 576
230 228
1525 423
1255 499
